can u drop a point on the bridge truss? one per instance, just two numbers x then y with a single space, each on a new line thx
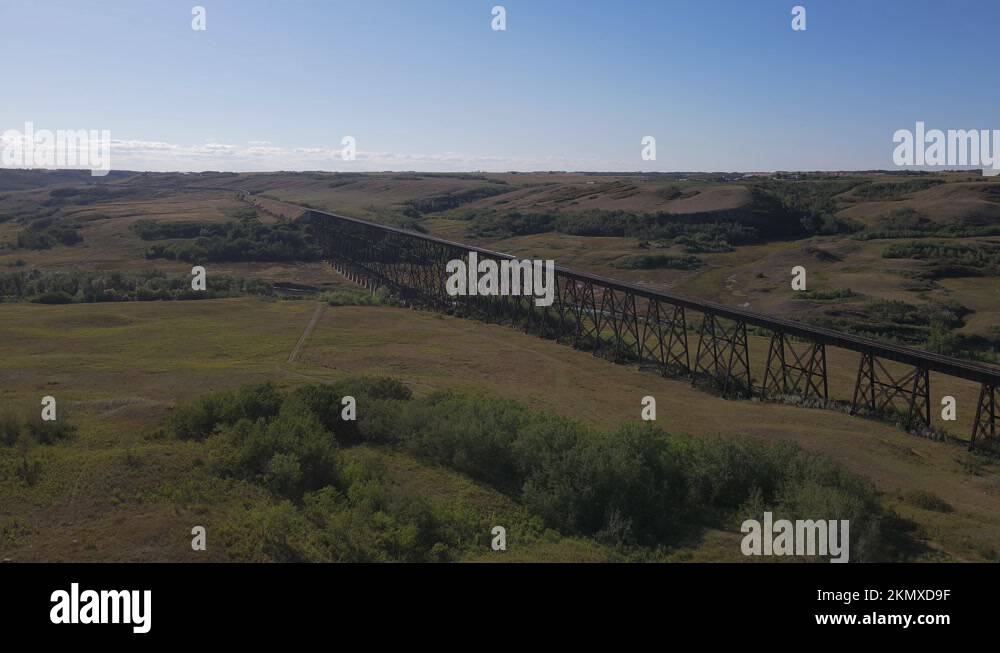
628 323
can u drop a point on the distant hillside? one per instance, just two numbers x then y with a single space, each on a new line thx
29 179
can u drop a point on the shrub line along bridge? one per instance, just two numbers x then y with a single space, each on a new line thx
628 323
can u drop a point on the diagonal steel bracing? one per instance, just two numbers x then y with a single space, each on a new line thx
879 392
723 355
664 338
795 371
986 428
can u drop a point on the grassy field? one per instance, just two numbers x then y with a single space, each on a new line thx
112 493
115 492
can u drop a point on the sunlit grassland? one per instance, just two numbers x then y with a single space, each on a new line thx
120 493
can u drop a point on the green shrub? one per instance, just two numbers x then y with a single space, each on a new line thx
324 401
45 235
273 533
357 297
376 387
977 256
633 487
928 501
453 199
292 453
157 230
55 297
636 485
894 189
657 261
825 295
49 432
284 475
198 419
28 470
10 428
245 240
249 402
718 229
194 421
63 287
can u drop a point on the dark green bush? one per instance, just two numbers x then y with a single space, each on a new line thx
63 287
45 235
157 230
194 421
657 261
245 240
10 428
377 387
284 475
359 297
894 189
453 199
291 454
252 402
49 432
13 426
197 420
634 487
928 501
54 297
981 257
637 485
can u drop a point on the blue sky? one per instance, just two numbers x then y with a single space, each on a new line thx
428 85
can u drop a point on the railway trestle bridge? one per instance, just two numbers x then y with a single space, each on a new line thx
680 336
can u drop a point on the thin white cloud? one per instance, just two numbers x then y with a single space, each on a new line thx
261 155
